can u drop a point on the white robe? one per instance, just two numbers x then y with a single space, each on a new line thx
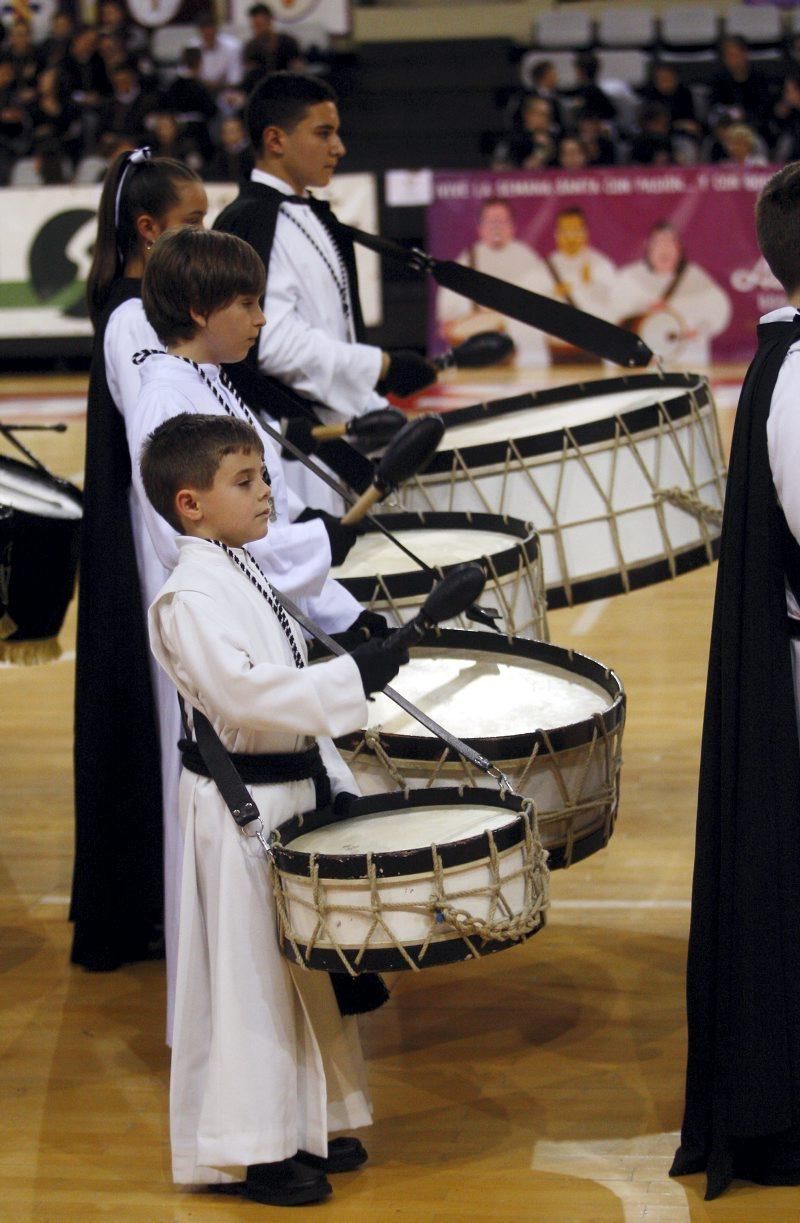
699 303
262 1062
590 278
519 264
309 341
783 447
296 557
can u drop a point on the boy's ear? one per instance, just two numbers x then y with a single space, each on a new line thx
273 140
187 505
199 320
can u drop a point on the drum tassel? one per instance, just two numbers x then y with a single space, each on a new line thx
30 653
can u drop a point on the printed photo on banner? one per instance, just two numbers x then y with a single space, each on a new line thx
640 247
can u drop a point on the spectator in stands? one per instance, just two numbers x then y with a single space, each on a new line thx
587 96
15 123
113 18
21 54
233 159
54 116
56 46
111 50
742 146
191 102
273 51
738 88
89 85
571 153
51 168
653 145
534 145
497 252
786 119
542 80
664 88
598 145
167 138
127 109
221 55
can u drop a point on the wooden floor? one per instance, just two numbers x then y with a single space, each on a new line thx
541 1084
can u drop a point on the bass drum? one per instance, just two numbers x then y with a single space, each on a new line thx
381 576
551 719
408 881
40 521
623 479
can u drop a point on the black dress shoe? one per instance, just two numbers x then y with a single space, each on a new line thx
344 1155
285 1183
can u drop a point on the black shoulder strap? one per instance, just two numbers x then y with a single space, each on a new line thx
237 797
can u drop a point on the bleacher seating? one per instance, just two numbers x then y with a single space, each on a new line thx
626 27
563 29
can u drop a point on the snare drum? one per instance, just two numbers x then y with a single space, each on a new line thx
624 479
409 881
382 577
551 719
40 519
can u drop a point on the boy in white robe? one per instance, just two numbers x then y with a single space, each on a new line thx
263 1065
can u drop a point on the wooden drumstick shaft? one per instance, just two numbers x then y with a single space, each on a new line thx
326 433
364 504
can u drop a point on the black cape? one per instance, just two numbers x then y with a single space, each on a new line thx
253 216
117 889
743 978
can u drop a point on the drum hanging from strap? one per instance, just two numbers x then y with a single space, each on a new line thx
40 520
409 881
623 479
551 719
382 577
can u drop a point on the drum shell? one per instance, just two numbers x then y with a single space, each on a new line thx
39 556
601 494
571 772
327 903
515 581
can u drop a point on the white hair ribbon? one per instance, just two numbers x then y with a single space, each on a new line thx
135 159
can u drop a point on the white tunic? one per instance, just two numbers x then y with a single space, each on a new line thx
262 1061
589 277
783 447
698 303
296 558
518 264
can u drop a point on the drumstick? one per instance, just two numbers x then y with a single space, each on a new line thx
477 614
452 741
481 349
406 454
457 591
373 429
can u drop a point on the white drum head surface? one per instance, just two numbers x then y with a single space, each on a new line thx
373 553
486 695
531 421
36 497
416 828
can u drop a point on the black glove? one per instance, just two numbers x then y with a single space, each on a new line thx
370 624
408 373
378 664
340 537
298 432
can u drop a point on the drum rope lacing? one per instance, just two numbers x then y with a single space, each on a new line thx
501 924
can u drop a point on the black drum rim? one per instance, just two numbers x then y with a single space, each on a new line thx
395 864
560 441
500 748
413 582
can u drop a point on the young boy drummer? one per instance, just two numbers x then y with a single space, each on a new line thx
263 1065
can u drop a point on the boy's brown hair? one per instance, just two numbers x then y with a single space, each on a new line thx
185 452
778 226
200 270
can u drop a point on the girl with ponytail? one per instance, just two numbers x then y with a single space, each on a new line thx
117 893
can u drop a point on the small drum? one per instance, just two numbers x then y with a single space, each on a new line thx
40 520
623 479
409 881
382 577
551 719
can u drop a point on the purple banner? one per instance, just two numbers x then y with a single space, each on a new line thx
668 252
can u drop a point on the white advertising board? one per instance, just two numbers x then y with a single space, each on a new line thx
333 16
48 235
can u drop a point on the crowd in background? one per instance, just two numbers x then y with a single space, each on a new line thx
741 115
71 102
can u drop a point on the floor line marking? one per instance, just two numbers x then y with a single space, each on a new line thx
589 617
